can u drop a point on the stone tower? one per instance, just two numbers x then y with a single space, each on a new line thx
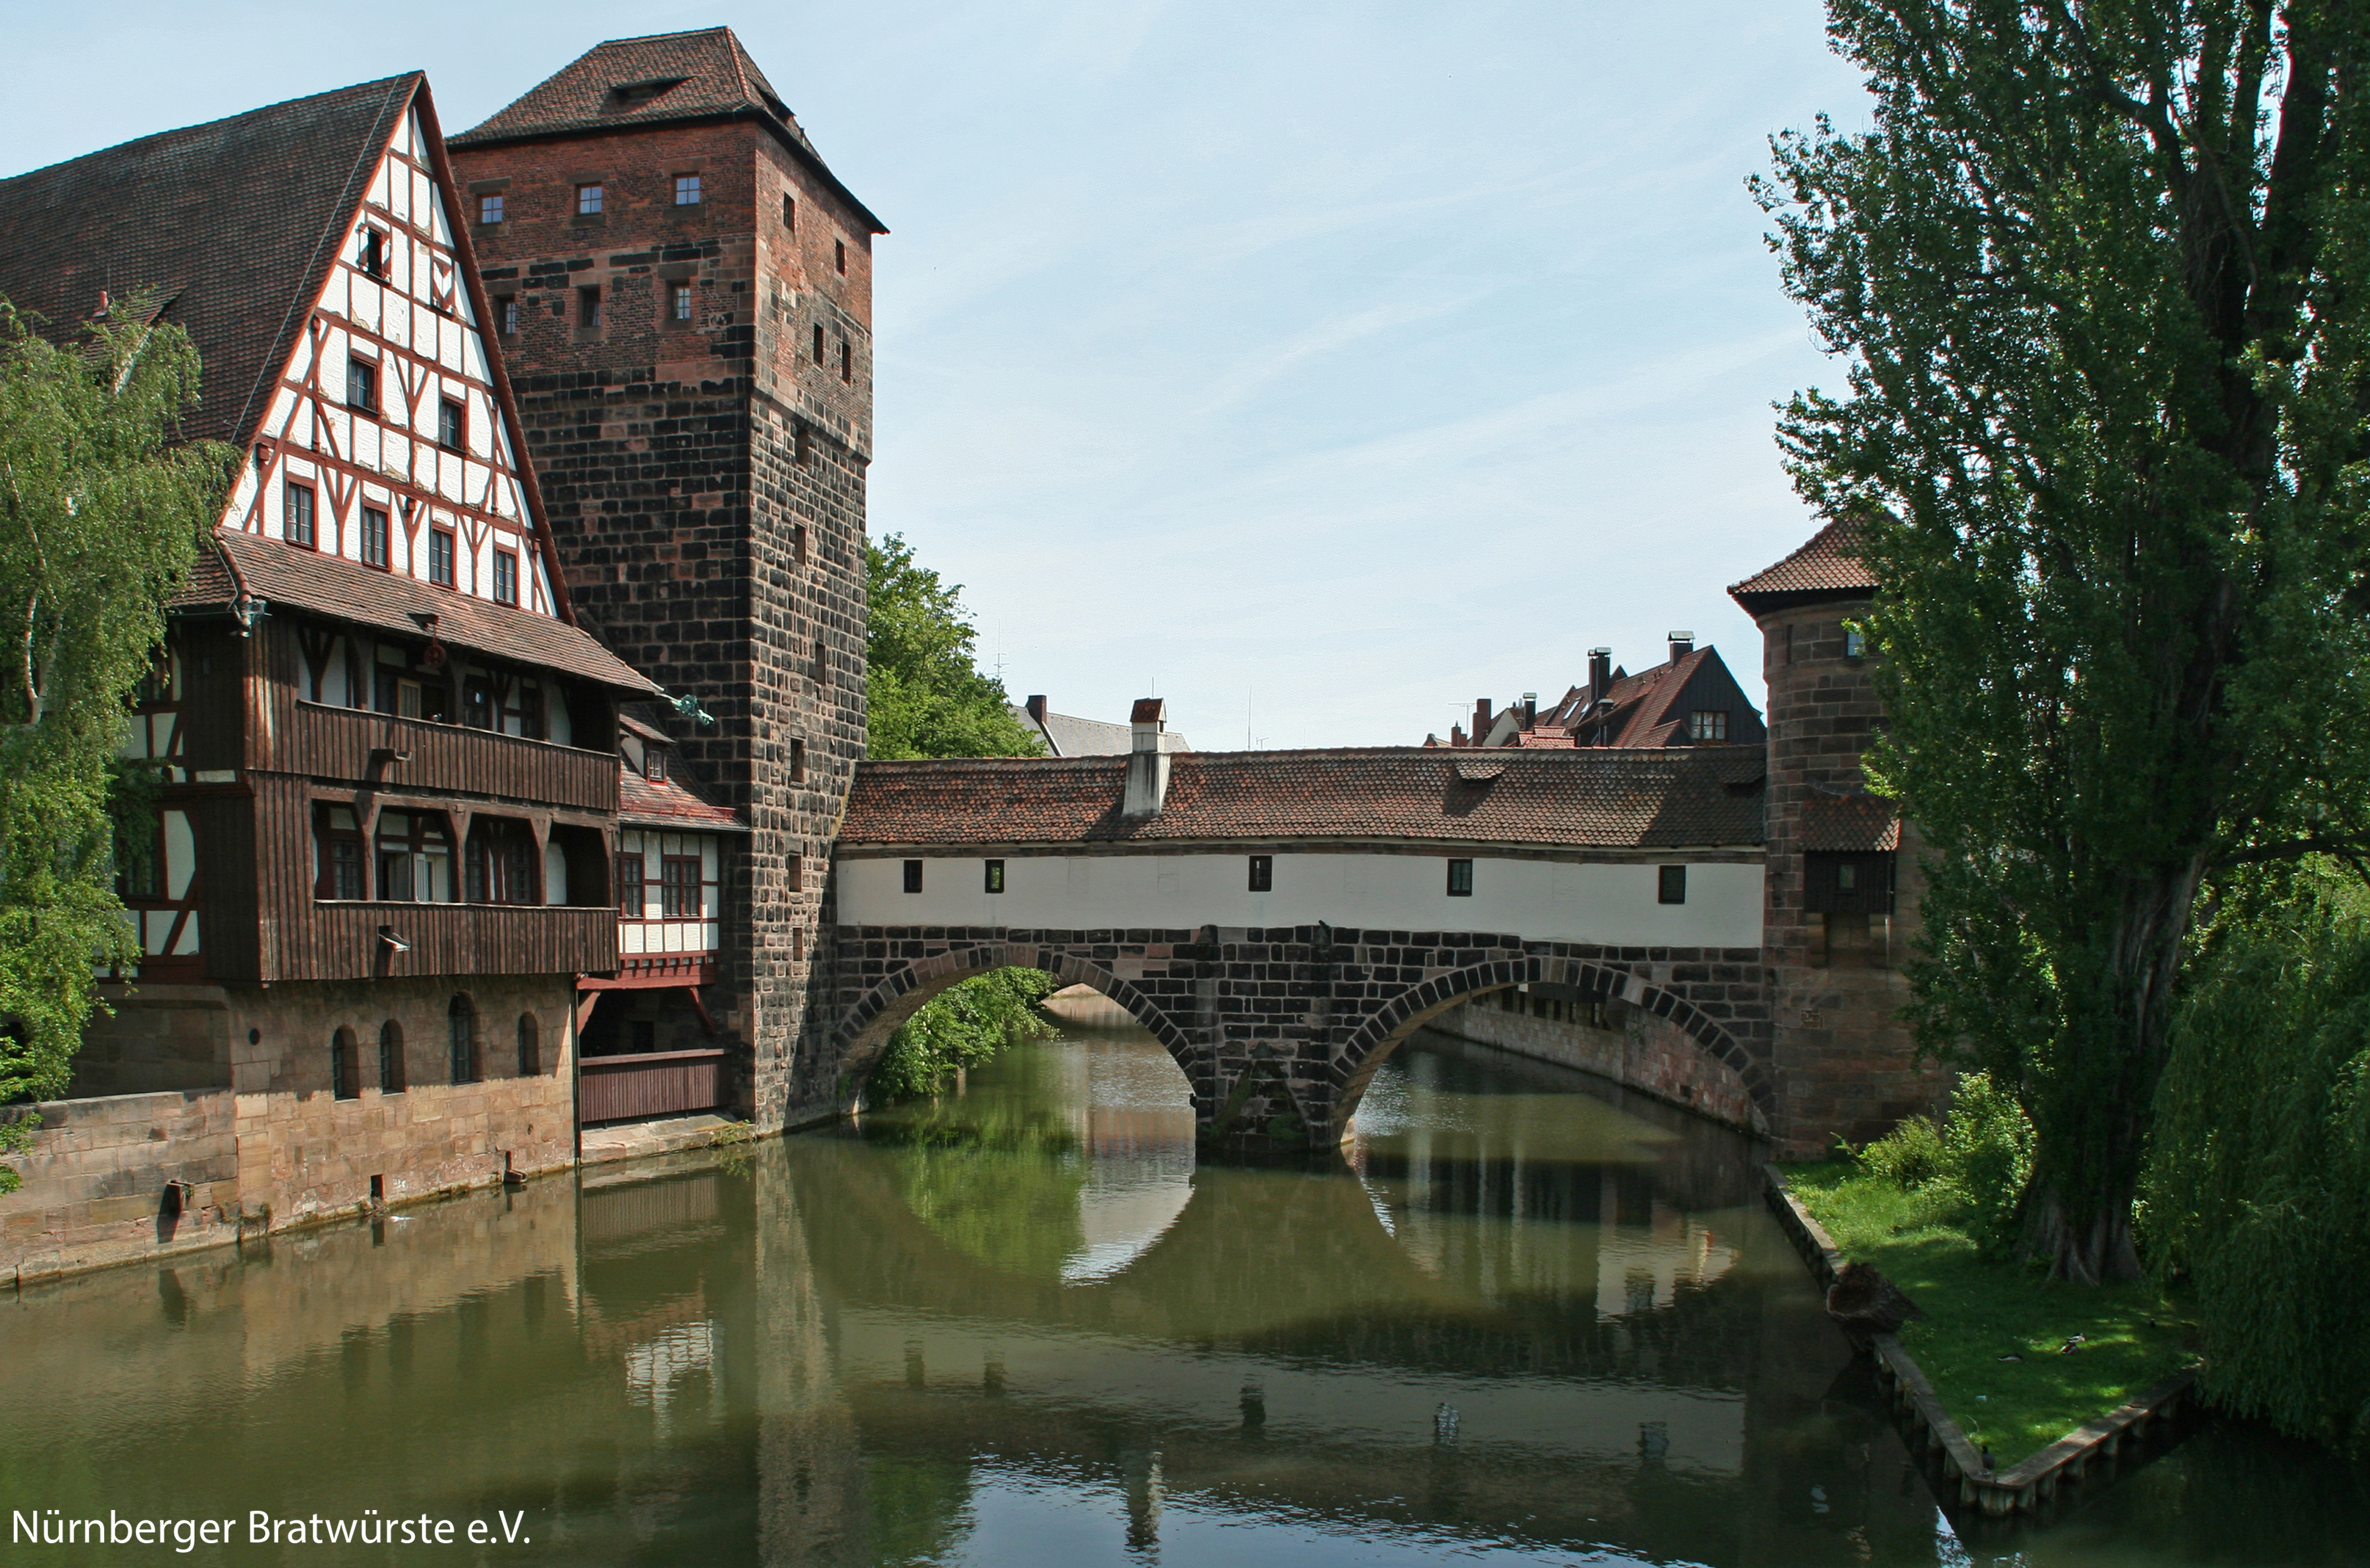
1841 885
683 292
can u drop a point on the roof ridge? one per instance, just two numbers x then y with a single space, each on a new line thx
206 124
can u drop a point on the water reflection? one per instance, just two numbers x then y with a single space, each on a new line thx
1524 1323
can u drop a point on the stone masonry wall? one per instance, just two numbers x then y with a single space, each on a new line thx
1845 1064
705 483
95 1178
1635 1050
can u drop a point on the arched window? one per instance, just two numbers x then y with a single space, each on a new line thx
345 1066
390 1057
530 1046
464 1040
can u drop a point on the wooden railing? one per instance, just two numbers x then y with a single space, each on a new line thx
649 1083
336 743
342 941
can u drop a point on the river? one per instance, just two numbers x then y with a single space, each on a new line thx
1530 1320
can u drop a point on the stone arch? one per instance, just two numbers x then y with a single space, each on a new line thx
877 1014
1391 1023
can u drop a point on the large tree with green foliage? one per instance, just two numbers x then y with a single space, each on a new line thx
925 696
101 516
2099 272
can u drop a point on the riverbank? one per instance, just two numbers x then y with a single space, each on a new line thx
1993 1340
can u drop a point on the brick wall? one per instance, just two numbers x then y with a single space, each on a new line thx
706 483
95 1178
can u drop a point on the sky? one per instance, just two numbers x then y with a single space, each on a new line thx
1317 366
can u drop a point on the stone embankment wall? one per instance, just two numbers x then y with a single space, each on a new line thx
1633 1049
97 1177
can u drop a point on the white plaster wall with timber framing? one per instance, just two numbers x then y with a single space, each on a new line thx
1612 902
395 304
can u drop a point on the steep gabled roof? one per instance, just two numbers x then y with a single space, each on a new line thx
1643 708
664 79
1692 798
1826 568
234 223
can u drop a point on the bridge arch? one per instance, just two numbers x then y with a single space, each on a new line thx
1391 1023
868 1023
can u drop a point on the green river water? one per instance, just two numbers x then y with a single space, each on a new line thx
1528 1320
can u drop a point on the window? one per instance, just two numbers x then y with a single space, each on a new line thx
839 255
798 761
374 537
588 306
478 703
654 762
530 1046
414 858
1262 878
1854 643
440 555
506 315
630 886
390 1057
1671 884
1842 883
501 864
818 343
790 213
530 709
451 424
1460 879
462 1019
798 540
794 875
506 577
912 877
995 876
1708 724
362 385
846 361
345 1066
489 209
686 190
803 446
679 302
373 252
679 887
296 515
588 199
339 873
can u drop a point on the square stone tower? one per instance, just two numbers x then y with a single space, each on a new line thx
1841 886
683 292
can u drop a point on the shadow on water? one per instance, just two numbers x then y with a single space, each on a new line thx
1523 1318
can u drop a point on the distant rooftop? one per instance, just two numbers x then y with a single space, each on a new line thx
1065 735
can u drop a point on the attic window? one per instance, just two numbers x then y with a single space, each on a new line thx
1708 724
781 111
654 763
634 94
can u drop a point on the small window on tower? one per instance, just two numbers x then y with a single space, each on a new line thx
439 556
798 761
790 213
588 199
798 541
296 515
846 361
1854 643
818 343
374 537
506 577
362 385
588 306
686 190
506 315
679 302
489 209
451 424
839 253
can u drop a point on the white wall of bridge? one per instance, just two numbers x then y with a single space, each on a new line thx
1614 904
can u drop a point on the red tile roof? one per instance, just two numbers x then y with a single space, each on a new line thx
666 79
236 221
1852 823
1694 797
346 590
1827 568
644 802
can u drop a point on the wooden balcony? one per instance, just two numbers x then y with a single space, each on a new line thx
649 1083
337 743
342 941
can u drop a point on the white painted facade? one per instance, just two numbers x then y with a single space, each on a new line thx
1596 901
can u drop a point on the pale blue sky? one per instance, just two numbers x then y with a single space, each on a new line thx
1350 360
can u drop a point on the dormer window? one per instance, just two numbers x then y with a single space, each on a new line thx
1708 724
654 763
627 96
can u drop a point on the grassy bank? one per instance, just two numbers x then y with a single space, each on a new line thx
1979 1309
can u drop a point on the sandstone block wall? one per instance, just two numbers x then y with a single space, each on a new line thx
1634 1048
95 1179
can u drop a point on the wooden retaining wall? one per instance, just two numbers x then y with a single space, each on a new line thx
1938 1442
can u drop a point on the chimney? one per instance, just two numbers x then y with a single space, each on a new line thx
1037 710
1457 735
1600 673
1480 721
1530 709
1148 763
1682 645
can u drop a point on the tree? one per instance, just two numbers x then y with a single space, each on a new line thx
2098 273
925 697
101 516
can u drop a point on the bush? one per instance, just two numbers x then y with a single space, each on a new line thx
962 1026
2257 1188
1973 1165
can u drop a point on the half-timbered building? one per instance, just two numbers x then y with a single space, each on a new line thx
386 748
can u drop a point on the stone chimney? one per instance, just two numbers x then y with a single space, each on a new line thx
1480 721
1148 763
1036 707
1682 645
1530 709
1600 673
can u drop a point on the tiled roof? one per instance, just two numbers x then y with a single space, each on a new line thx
1852 823
236 221
1065 735
1641 714
330 585
1826 568
664 803
664 79
1602 798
